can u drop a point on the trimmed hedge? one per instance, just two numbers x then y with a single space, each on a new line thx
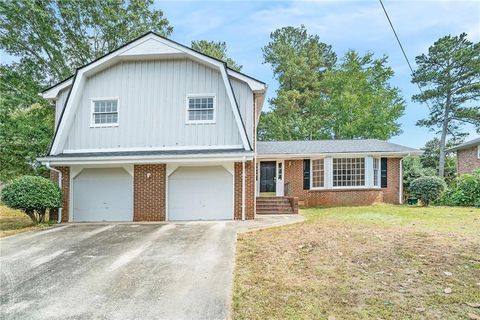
428 188
33 195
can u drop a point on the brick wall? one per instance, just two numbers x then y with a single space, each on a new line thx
149 192
249 190
312 198
65 190
467 160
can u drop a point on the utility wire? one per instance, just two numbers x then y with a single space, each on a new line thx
401 48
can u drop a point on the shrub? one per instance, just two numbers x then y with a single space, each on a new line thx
428 188
463 191
413 169
32 195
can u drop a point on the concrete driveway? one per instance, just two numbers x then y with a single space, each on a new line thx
121 271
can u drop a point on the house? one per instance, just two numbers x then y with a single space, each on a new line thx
468 156
156 131
333 172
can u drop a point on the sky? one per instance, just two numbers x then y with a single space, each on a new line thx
361 25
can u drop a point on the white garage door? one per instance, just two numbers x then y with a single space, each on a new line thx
103 195
200 193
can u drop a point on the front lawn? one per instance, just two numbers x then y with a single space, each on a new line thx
377 262
15 221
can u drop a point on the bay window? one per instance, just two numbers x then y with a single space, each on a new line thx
348 172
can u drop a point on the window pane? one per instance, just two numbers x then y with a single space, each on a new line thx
348 172
318 173
200 109
376 163
105 112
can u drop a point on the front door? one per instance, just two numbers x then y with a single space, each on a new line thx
267 176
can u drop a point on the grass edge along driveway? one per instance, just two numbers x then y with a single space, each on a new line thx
376 262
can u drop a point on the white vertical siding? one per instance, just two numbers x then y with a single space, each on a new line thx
152 107
244 97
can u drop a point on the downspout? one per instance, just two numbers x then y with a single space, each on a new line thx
400 194
59 219
243 189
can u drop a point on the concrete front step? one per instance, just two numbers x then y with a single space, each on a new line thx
272 207
276 205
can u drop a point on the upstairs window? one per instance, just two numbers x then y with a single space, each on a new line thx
348 172
201 109
104 113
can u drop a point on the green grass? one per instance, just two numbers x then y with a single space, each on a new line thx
448 219
376 262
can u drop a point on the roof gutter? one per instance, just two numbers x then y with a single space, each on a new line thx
59 218
344 154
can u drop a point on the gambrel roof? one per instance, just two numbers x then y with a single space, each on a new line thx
148 46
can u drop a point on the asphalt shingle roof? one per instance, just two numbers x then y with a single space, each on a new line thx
465 145
330 146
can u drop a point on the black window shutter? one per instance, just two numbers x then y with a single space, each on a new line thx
306 174
383 173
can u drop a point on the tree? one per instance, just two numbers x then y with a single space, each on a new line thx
26 134
358 101
450 77
58 36
48 40
353 99
217 50
298 60
430 157
33 195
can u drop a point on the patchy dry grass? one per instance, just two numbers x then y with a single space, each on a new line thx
14 221
377 262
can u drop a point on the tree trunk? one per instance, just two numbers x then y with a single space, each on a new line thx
443 138
31 214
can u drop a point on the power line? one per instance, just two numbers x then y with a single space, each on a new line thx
401 47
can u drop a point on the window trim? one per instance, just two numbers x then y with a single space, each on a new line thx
324 174
201 95
92 111
365 186
379 173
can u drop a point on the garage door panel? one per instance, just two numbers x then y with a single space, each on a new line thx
200 193
103 195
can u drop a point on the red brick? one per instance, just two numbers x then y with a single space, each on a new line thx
467 160
65 190
149 198
312 198
249 190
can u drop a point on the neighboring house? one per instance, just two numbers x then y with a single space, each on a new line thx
468 156
156 131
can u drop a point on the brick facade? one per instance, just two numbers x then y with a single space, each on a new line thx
65 190
467 160
312 198
149 197
249 190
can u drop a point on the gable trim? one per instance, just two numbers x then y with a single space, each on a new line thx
79 80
